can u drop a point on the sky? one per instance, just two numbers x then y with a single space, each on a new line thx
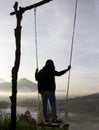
54 32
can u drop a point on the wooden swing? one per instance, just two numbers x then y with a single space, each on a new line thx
64 126
19 12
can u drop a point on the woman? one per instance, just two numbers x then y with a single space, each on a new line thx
47 87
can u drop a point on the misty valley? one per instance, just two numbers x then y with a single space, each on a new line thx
83 110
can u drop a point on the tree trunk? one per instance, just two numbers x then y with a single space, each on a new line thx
15 69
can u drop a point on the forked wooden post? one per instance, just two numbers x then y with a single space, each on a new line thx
18 12
16 67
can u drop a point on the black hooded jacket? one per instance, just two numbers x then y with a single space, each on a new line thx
46 78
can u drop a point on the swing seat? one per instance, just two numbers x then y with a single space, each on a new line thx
61 125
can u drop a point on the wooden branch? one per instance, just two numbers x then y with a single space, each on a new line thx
23 9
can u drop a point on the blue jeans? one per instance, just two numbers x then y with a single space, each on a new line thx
49 95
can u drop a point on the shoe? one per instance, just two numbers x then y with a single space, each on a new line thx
56 122
46 122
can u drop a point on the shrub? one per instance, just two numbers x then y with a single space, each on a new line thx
24 122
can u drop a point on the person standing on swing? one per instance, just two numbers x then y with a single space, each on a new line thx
46 87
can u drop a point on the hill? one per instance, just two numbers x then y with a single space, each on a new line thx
24 85
4 105
85 104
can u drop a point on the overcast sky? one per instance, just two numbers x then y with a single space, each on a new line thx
54 29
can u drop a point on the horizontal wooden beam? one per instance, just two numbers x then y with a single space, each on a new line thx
23 9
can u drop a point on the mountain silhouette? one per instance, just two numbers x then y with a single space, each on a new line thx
24 85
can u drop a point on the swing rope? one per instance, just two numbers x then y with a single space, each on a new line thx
36 46
36 49
71 54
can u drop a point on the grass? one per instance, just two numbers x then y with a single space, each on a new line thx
4 122
24 122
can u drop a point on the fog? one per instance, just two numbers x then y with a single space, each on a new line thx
4 96
21 95
76 121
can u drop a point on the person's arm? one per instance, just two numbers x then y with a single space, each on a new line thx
59 73
36 74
